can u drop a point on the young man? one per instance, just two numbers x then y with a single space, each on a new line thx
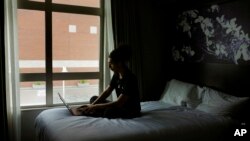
124 82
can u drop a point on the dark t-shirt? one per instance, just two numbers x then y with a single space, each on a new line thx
128 86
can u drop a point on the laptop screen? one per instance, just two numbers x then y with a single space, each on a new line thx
64 102
73 110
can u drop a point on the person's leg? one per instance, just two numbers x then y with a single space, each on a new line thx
92 99
96 113
112 113
118 113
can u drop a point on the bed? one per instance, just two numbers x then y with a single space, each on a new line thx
184 112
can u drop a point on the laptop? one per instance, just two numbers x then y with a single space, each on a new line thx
73 110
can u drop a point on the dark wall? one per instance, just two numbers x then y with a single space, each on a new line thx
225 75
157 35
154 44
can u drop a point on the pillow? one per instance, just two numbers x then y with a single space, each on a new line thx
219 103
194 98
181 93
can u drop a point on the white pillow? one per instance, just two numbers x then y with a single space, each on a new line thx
194 98
219 103
181 93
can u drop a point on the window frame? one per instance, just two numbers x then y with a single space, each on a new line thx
48 76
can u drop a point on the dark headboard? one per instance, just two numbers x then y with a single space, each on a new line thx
232 79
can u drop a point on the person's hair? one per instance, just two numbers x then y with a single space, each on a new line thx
121 54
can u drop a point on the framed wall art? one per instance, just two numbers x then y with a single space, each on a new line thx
216 33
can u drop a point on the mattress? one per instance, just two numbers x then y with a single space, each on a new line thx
159 121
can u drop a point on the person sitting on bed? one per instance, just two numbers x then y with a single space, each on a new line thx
124 82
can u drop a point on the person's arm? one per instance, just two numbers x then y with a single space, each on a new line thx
102 97
118 103
107 92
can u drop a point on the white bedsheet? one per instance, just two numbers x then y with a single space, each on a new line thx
159 121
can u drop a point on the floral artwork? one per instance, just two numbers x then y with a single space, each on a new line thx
209 35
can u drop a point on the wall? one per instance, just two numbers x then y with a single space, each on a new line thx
27 124
157 33
222 58
155 42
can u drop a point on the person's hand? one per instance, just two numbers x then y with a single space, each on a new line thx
90 109
82 108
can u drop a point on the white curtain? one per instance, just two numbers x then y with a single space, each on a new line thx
12 70
108 43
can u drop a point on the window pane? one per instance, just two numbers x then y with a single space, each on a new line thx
89 3
31 41
75 43
32 93
75 90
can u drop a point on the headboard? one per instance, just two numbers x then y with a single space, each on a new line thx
232 79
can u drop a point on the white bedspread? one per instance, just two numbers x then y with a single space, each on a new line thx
159 121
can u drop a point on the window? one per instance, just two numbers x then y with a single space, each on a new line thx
59 50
